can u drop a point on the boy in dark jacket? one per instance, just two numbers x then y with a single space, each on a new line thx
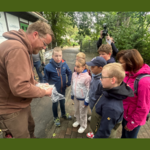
97 64
107 114
105 51
55 73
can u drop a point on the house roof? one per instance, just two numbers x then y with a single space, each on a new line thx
37 15
29 15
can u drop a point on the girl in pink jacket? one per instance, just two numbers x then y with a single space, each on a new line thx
136 108
80 93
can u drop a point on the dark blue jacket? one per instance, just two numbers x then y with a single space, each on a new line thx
52 76
110 108
95 90
111 60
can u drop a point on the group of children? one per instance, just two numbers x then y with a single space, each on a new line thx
103 91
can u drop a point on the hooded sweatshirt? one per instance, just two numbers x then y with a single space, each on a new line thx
17 84
110 108
136 108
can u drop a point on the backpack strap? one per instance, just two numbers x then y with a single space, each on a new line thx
138 78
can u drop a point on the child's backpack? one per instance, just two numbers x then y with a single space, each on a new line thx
138 78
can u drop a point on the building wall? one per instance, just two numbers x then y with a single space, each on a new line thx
10 22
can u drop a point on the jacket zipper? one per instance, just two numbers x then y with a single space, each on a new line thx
127 83
76 85
128 78
59 74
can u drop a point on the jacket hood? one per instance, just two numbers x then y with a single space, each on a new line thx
120 93
20 36
52 61
144 70
98 76
111 60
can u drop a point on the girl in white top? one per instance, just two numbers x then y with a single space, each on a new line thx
79 93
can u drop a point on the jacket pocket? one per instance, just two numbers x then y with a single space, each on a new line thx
130 110
4 119
3 126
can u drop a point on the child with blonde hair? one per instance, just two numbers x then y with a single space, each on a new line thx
81 55
55 73
107 114
80 93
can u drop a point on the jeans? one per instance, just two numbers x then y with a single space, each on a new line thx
129 134
37 66
62 107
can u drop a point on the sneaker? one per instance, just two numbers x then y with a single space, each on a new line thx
89 119
90 135
75 124
81 130
9 136
67 116
57 121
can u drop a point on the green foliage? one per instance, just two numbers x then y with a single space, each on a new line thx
129 30
59 22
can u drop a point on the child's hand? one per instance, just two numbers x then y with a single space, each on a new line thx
84 106
127 128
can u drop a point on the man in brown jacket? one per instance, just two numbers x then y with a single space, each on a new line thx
17 84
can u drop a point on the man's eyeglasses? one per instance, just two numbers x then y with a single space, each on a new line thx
43 42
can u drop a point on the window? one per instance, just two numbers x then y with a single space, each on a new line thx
23 26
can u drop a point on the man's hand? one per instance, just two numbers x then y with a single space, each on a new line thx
127 128
49 92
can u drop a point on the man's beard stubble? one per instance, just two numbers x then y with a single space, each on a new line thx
36 51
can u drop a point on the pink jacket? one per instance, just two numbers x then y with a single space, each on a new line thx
80 86
136 108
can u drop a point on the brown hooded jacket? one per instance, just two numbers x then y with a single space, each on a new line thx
17 84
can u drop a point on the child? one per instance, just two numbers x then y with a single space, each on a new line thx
79 93
107 114
83 56
55 73
105 51
97 65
